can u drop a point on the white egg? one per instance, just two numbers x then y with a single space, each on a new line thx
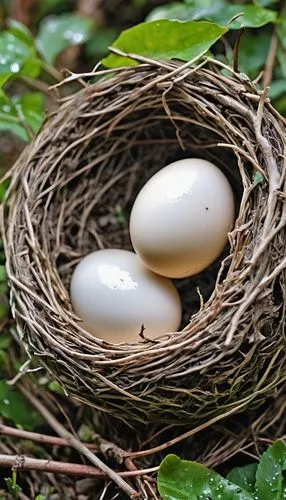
180 220
114 294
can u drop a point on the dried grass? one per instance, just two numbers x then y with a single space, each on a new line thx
71 192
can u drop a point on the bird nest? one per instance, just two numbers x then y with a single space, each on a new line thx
71 193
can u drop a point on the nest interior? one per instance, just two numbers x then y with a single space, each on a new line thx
71 193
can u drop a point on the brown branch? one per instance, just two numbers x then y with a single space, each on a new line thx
236 49
21 10
92 9
270 60
77 444
21 462
5 430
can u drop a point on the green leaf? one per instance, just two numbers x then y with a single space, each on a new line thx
165 40
189 11
183 480
46 7
258 178
3 79
14 407
282 29
269 475
17 58
57 33
3 188
3 313
253 51
21 32
5 341
3 275
277 88
99 42
13 488
220 12
27 108
244 476
282 61
253 16
85 432
54 386
264 3
280 105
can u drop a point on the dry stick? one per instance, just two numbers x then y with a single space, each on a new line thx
236 49
269 65
77 444
5 430
21 462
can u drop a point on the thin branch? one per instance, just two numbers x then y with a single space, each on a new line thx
41 86
77 444
52 71
5 430
92 9
21 462
21 10
270 60
236 49
187 434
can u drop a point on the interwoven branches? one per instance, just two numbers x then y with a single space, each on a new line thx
71 192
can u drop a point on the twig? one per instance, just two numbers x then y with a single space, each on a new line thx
110 450
187 434
5 430
77 444
92 9
21 10
41 86
21 462
236 49
270 60
52 71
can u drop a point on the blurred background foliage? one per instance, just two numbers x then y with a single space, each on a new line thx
40 38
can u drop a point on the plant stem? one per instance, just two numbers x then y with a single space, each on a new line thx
270 60
40 85
52 71
236 49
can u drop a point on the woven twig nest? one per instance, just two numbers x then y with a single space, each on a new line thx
71 193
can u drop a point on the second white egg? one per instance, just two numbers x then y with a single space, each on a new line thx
115 295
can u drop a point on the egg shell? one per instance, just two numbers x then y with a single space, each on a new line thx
180 220
114 294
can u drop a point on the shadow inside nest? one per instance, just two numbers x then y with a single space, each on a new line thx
107 224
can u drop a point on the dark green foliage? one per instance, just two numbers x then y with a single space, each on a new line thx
57 33
220 12
22 115
15 408
13 488
184 480
165 40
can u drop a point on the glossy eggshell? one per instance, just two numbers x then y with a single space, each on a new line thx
114 294
180 220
